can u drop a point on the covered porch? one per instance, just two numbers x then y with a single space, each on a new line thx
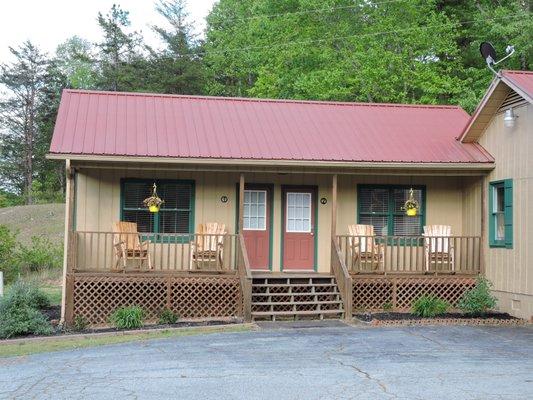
262 210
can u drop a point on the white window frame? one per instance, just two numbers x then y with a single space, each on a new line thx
309 196
264 228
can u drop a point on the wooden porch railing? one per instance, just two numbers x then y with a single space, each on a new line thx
245 275
110 251
410 254
343 278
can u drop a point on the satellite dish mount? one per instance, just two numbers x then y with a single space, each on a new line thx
489 55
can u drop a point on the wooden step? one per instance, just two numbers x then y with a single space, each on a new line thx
292 284
296 294
280 313
296 303
289 275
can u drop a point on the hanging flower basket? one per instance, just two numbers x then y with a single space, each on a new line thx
154 201
411 206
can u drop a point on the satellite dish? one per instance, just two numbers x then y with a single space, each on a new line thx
489 54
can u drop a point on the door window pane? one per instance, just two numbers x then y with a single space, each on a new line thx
255 210
298 212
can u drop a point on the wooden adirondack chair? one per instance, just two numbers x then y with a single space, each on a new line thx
438 247
365 250
207 249
129 246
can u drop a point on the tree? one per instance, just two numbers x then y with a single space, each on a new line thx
118 51
23 79
411 51
75 60
176 68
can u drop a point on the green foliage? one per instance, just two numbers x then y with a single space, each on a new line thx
42 254
387 306
127 317
429 306
478 300
167 316
19 311
80 323
412 51
8 246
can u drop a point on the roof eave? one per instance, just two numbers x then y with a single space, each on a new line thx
488 165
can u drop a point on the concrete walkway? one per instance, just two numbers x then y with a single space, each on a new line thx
338 362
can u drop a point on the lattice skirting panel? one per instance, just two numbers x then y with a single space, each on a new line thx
377 293
95 297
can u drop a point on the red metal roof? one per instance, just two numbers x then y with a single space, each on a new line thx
522 79
134 124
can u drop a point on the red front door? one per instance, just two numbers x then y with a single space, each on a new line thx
256 229
299 229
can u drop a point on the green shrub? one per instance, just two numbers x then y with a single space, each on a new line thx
167 317
80 323
8 248
42 254
478 300
19 311
387 306
127 317
429 306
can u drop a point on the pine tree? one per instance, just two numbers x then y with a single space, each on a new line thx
118 51
176 68
23 79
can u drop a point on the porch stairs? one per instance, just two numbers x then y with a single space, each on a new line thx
295 296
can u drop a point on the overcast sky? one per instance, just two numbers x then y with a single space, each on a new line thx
49 22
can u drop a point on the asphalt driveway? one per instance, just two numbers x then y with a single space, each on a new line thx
305 363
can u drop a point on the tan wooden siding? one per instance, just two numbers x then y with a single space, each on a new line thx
98 201
511 270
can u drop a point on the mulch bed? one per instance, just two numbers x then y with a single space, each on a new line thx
453 318
53 314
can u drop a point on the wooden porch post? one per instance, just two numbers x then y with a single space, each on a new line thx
241 203
333 213
69 256
484 213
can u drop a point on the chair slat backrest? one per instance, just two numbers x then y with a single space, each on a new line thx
127 233
210 235
365 244
437 238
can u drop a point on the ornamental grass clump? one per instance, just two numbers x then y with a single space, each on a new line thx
20 311
167 317
429 306
478 300
127 317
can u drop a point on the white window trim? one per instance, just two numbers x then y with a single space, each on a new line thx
309 196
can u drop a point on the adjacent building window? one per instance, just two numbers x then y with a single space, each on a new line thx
176 213
254 217
381 206
501 213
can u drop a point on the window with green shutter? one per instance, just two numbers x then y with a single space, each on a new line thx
176 215
381 206
501 213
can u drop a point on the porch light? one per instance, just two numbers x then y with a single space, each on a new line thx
411 206
509 118
154 201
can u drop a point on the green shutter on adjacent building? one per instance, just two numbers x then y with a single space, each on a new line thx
508 214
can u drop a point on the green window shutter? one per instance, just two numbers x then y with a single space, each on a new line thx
508 185
492 222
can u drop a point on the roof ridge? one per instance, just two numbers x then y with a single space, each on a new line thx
260 100
516 71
